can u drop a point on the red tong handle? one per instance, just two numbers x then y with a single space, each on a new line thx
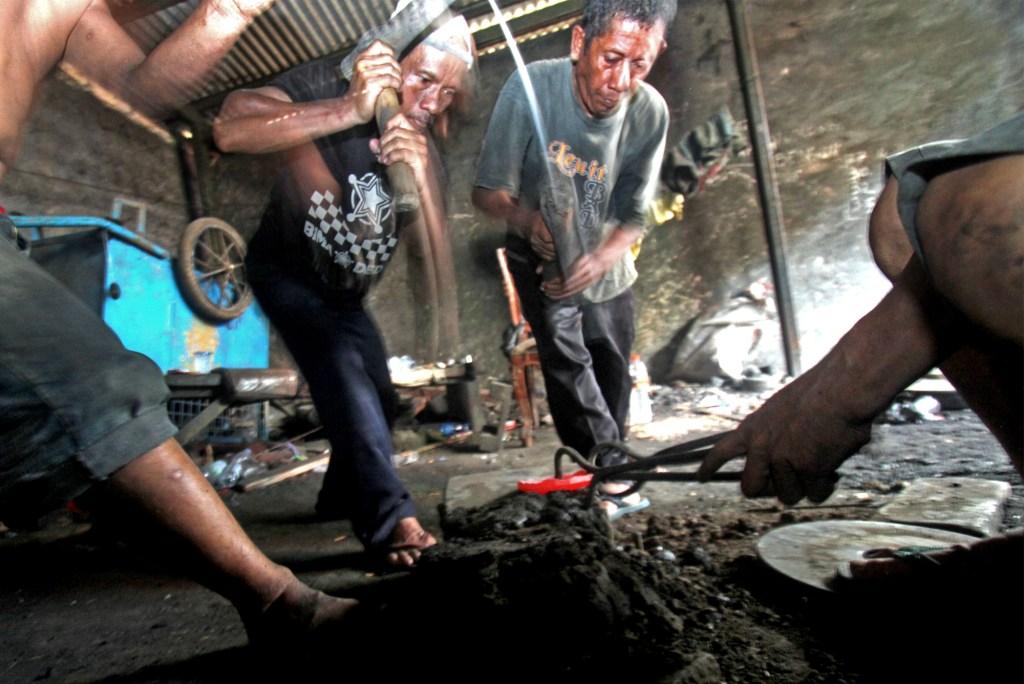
578 480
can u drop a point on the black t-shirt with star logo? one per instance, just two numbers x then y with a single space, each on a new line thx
331 207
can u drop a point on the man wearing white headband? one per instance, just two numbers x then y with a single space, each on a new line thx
326 237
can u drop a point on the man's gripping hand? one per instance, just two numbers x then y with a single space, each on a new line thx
403 142
586 271
590 268
793 445
539 235
375 70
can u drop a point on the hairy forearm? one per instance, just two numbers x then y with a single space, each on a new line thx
175 71
256 124
909 332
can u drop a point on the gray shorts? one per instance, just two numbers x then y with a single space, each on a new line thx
75 405
914 168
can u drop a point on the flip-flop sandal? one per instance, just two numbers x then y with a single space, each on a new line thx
622 506
382 553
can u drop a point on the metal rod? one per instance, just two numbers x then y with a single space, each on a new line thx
114 229
768 190
727 476
193 142
188 166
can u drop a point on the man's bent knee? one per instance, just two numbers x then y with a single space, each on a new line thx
890 246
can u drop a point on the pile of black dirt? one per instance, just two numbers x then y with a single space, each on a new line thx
547 569
534 588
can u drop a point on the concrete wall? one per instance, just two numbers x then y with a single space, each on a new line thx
845 82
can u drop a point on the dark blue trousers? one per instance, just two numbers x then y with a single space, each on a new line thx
341 353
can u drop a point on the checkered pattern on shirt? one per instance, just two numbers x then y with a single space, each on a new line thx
369 251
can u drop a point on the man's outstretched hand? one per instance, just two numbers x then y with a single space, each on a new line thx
792 445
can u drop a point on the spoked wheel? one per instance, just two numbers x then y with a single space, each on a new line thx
211 269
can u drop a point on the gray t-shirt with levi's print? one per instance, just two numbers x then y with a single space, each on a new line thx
614 162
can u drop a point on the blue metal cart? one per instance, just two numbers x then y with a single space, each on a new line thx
155 303
192 313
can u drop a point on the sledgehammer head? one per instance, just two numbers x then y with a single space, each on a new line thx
412 21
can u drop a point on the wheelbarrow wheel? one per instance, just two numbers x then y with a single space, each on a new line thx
211 270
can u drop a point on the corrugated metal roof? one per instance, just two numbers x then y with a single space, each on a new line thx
292 32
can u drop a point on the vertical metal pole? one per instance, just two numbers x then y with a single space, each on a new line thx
190 173
767 188
193 135
201 145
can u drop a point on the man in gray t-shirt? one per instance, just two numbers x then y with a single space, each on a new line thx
591 160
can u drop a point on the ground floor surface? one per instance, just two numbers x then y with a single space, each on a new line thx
77 605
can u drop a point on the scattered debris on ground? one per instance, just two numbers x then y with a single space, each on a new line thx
535 590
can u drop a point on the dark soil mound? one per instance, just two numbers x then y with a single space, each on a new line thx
538 588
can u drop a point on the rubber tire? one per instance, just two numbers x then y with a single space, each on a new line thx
188 282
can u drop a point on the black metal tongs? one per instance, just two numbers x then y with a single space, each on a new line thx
642 469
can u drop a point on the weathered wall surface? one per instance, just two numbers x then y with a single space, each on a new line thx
79 155
845 83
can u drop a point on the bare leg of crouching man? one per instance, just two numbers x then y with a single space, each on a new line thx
166 486
970 223
82 415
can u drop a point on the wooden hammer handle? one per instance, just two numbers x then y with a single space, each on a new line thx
403 182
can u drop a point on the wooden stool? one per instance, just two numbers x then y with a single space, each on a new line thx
523 383
524 361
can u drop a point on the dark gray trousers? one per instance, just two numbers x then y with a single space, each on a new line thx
75 405
584 353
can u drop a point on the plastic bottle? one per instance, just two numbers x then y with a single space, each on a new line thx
237 468
450 429
640 409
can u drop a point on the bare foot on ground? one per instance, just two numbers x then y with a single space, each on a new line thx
298 612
